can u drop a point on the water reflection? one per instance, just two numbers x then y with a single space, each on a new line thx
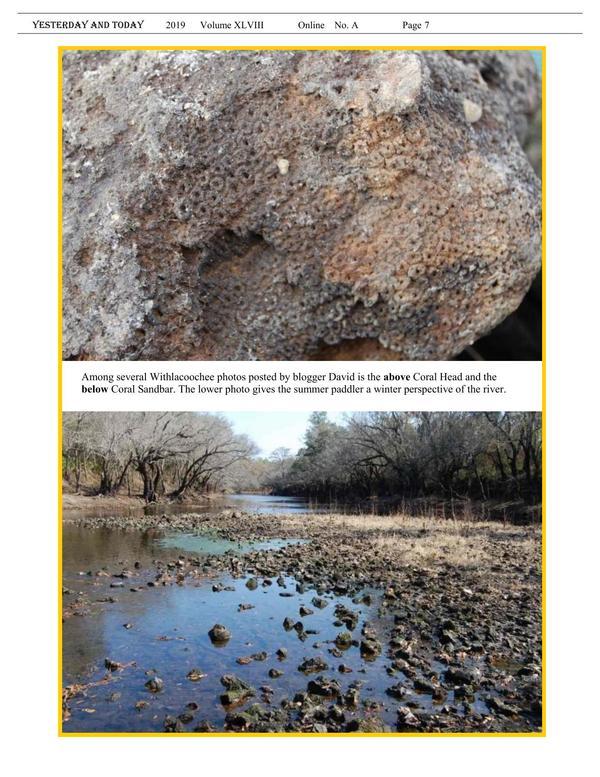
169 634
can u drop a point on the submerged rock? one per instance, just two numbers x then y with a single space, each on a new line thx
343 640
195 674
219 634
370 648
293 204
324 686
310 665
347 617
204 727
154 684
236 690
172 724
407 721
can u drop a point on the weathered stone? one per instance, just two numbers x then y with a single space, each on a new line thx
219 634
460 676
195 674
343 639
406 719
324 686
315 664
154 684
172 724
346 616
370 648
237 690
295 204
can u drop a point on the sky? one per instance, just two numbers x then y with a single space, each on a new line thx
274 430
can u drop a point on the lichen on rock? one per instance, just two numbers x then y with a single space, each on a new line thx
295 204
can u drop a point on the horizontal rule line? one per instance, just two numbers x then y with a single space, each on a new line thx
308 34
303 13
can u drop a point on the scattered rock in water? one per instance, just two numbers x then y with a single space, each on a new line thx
498 654
195 674
204 727
281 653
460 676
369 725
313 665
252 583
236 690
397 691
275 673
370 648
141 705
172 724
407 720
464 692
343 640
219 634
319 603
288 623
324 686
244 607
423 685
352 697
112 666
154 684
305 611
299 629
439 695
496 704
243 660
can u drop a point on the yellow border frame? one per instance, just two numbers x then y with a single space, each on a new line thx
532 734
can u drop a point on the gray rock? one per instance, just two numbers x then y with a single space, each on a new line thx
219 634
154 684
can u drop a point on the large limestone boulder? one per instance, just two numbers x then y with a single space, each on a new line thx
295 204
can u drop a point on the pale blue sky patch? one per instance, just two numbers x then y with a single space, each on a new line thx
275 430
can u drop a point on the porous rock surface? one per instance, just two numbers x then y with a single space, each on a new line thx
295 204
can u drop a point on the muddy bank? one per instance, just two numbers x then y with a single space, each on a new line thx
120 502
357 624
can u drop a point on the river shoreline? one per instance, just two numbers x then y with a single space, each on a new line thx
71 502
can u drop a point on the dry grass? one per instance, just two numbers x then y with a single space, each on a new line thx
426 541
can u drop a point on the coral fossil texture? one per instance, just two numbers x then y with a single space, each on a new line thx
295 204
